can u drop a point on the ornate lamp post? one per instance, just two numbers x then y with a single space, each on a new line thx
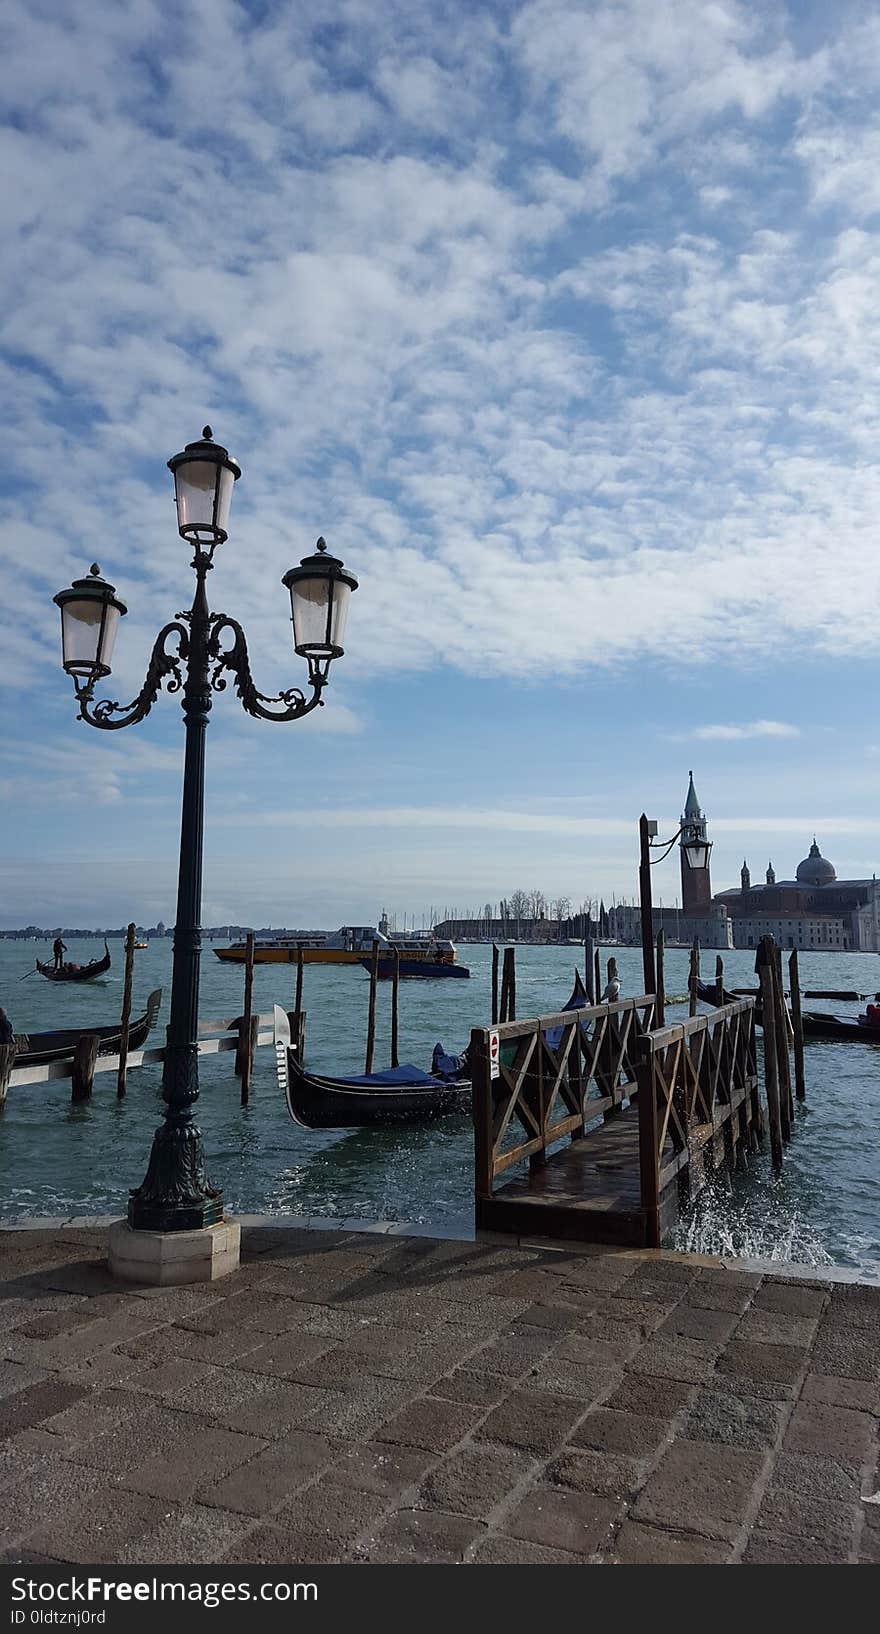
696 852
193 655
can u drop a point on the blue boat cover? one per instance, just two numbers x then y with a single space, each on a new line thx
394 1078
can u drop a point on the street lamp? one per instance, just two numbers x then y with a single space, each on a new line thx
696 851
192 655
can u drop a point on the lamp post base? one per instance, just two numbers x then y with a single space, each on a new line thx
175 1194
163 1258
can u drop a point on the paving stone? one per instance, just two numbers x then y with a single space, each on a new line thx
162 1344
642 1315
835 1432
280 1407
383 1468
532 1284
50 1323
36 1403
186 1383
636 1435
801 1517
422 1537
816 1477
480 1389
532 1420
431 1423
248 1312
845 1352
328 1509
16 1376
94 1534
772 1369
497 1550
690 1360
363 1408
202 1453
585 1382
794 1298
555 1318
190 1536
769 1549
600 1354
578 1522
639 1545
699 1322
856 1393
269 1545
646 1393
474 1480
271 1476
512 1355
105 1423
586 1470
723 1292
776 1328
738 1420
856 1307
706 1486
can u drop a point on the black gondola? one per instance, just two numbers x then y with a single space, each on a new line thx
410 969
36 1049
402 1095
815 1024
76 973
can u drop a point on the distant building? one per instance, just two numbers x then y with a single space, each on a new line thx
814 910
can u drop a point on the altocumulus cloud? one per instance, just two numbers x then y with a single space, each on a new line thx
514 302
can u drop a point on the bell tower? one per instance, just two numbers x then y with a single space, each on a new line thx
696 886
745 878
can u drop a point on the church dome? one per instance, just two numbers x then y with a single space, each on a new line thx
816 869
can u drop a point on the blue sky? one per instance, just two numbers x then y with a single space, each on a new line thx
560 321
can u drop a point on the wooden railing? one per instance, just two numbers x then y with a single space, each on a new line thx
555 1075
697 1084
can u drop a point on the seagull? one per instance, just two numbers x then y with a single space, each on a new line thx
612 992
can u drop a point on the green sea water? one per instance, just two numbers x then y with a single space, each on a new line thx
60 1160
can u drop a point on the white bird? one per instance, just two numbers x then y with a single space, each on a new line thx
612 992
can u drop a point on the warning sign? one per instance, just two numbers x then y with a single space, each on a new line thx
494 1067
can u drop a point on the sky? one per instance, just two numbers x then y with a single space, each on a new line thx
560 322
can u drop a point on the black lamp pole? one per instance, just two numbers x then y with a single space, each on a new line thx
176 1194
646 905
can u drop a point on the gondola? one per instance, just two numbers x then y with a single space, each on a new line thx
399 1096
76 973
402 1095
35 1049
814 1023
410 969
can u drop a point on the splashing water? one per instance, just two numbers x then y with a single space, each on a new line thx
757 1219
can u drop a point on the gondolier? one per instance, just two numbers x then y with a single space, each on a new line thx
59 949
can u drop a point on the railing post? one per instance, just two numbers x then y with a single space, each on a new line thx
494 984
482 1114
84 1058
649 1157
693 979
7 1056
244 1054
371 1013
661 982
771 1079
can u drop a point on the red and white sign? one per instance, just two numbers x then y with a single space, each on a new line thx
494 1058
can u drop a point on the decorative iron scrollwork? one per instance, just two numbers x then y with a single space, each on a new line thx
293 702
162 665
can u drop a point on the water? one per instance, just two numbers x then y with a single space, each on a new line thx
59 1159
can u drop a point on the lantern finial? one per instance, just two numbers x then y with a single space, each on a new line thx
207 433
322 543
95 571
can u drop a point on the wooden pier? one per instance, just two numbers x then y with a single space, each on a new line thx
617 1119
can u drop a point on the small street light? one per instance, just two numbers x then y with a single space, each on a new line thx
696 850
193 655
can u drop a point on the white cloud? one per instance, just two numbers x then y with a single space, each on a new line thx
732 733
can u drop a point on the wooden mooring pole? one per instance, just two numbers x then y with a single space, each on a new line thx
84 1058
371 1013
797 1024
494 984
395 994
694 977
764 966
244 1055
126 1010
588 963
661 981
719 981
7 1056
783 1060
597 975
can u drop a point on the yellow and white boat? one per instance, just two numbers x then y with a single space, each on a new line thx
347 946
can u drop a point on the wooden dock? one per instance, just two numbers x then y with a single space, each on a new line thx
608 1120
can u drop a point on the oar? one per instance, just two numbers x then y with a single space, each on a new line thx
30 973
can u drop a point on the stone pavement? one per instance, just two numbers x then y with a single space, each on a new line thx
360 1397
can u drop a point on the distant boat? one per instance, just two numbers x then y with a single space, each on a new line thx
401 1095
815 1024
76 973
141 944
409 967
35 1049
348 946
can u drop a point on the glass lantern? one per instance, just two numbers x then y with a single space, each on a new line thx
203 478
90 614
320 593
